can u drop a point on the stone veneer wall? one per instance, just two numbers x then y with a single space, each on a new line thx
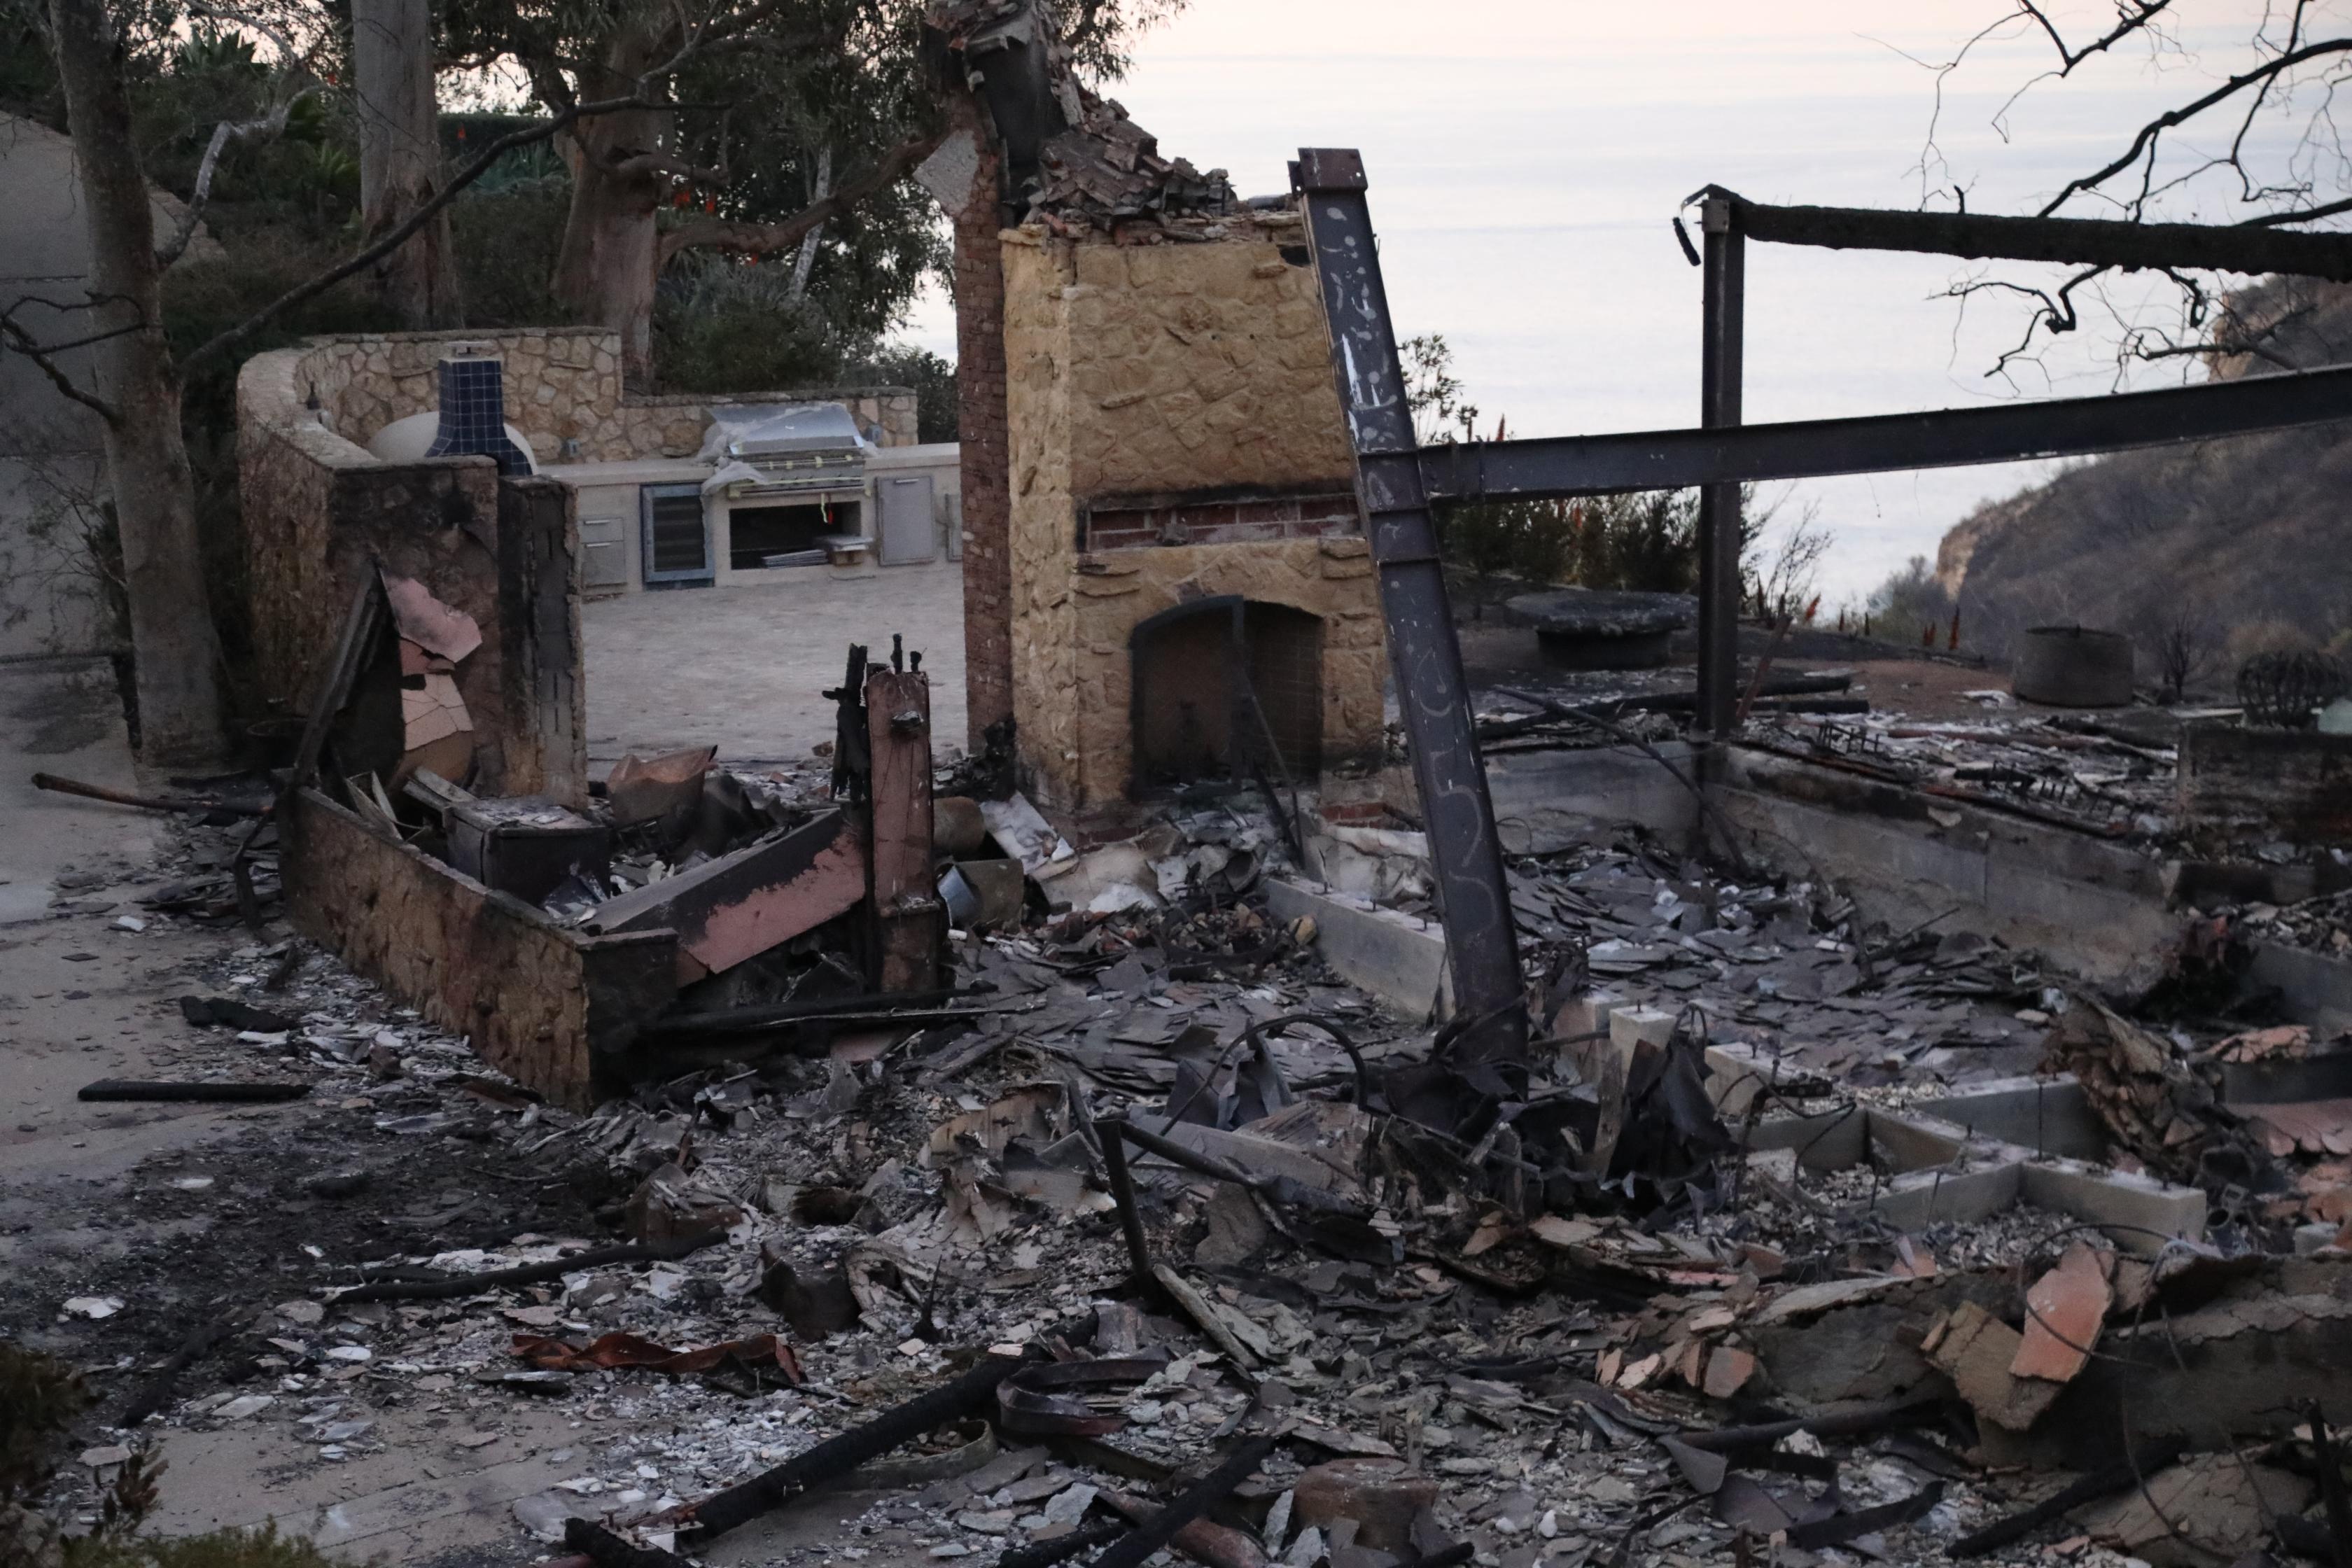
1162 370
318 512
561 384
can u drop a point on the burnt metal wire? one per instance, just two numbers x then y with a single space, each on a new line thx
1849 740
2286 690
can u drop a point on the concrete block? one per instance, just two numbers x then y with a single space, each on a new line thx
1944 1174
1920 1198
2310 1238
2041 1115
1396 958
2144 1211
1585 1015
1917 1143
2092 908
1830 1142
1632 1026
1736 1074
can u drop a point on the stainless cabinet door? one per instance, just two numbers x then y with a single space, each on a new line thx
603 552
904 501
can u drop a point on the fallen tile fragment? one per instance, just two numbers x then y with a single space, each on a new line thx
1975 1349
2063 1310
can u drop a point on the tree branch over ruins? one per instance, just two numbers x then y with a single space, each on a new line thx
770 238
2291 63
221 343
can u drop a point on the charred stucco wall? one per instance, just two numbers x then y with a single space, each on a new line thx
320 512
1168 370
561 385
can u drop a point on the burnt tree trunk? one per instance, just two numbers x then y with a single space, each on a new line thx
175 645
400 158
611 255
981 429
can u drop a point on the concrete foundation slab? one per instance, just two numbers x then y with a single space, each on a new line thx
2040 1115
1396 958
1549 801
1921 1198
2139 1211
1940 1173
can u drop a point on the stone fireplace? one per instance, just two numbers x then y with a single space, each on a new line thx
1224 688
1192 597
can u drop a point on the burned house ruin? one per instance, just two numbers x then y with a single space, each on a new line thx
1401 1114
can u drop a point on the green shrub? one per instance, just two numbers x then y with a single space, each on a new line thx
262 1548
39 1398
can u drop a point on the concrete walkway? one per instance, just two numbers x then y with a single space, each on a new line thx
742 668
62 715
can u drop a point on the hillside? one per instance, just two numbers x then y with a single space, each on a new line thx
2244 544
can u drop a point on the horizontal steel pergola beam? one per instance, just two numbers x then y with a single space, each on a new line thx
1567 465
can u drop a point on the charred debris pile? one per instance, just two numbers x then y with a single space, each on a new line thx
1119 1224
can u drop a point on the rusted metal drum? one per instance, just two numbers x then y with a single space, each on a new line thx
2073 667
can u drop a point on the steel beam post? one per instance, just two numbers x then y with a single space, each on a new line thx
1723 332
1474 899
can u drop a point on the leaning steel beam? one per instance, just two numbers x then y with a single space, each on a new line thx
1811 449
2083 242
1473 900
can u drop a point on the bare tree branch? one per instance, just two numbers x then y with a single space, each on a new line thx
22 341
772 238
2056 315
2307 215
2143 142
2132 17
392 240
2281 67
227 130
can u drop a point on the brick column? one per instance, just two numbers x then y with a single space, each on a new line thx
981 427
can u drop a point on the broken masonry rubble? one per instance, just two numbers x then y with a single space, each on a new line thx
1137 1226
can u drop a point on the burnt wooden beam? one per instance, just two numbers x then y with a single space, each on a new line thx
2070 241
910 921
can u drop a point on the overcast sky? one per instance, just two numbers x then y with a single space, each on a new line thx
1525 158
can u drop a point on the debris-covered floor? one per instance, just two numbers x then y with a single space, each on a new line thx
1704 1277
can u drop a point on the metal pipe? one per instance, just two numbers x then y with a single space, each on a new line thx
837 1456
1111 1131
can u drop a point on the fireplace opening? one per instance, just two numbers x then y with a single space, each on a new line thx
1218 685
